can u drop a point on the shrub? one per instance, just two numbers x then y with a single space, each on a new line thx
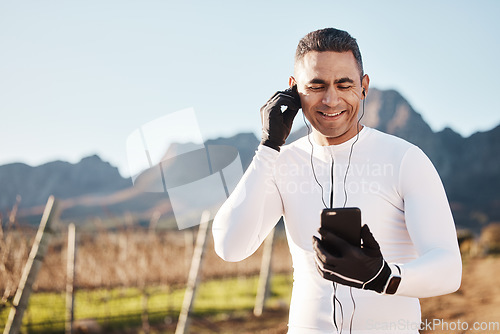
490 238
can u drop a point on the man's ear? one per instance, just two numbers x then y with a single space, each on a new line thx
291 81
365 82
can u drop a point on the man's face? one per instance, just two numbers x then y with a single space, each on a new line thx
330 90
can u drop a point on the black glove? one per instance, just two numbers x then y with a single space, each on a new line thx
360 267
276 124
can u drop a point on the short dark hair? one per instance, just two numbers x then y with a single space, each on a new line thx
329 39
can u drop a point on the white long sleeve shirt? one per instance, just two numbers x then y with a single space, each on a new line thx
401 198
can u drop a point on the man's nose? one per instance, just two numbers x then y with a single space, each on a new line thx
331 97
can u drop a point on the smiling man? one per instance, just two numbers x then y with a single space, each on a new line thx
331 88
408 241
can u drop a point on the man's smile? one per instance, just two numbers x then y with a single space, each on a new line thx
328 115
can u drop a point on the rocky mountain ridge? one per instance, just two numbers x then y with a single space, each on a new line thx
469 168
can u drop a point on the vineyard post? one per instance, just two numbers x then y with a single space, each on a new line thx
189 243
194 275
145 315
31 268
70 278
153 222
264 276
13 213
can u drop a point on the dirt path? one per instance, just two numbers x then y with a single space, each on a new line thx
477 300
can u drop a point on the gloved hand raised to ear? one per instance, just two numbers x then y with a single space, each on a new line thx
360 267
277 124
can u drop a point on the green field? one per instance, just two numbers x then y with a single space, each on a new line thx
123 307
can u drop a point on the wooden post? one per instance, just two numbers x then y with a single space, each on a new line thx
145 316
70 278
153 222
189 244
194 275
31 268
265 275
13 213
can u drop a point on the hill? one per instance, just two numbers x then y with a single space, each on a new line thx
469 168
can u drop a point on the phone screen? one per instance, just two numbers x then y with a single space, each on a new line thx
344 222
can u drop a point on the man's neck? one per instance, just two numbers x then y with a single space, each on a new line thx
323 140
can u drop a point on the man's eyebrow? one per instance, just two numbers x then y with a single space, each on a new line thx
343 80
317 81
338 81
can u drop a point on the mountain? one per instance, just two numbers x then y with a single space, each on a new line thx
91 187
62 179
469 168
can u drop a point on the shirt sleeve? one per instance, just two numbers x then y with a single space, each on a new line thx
251 211
438 268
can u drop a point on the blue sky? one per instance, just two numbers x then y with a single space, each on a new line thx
77 77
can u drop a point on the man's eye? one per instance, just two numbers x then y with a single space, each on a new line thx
316 87
344 87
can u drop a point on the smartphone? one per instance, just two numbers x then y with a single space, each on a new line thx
344 222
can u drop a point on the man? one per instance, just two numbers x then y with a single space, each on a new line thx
409 246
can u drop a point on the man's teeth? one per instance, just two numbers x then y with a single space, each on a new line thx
331 115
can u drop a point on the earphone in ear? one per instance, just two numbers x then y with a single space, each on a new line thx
364 93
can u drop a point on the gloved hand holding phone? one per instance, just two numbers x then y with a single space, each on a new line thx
361 267
277 122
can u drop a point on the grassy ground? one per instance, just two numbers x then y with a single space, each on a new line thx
131 257
112 264
117 309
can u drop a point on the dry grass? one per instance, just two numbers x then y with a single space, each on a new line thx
15 245
130 257
134 257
